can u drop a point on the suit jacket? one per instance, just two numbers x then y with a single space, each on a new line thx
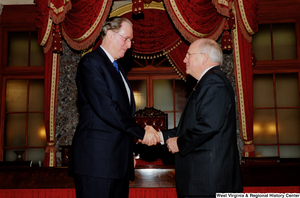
103 141
208 159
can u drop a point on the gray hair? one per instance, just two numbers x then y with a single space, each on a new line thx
114 24
212 49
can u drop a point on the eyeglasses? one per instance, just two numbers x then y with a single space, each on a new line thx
190 54
125 39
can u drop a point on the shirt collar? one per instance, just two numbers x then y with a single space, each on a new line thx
108 54
205 71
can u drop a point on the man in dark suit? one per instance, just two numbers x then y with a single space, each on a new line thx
205 141
102 148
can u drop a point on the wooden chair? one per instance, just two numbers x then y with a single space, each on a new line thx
152 155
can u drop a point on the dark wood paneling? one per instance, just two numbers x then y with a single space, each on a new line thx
278 9
18 14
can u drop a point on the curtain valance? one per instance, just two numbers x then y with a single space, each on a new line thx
79 22
247 17
155 33
83 23
199 18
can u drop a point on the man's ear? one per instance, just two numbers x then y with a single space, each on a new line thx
205 59
110 35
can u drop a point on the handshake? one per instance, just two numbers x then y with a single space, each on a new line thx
152 137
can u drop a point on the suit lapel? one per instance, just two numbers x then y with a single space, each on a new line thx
197 86
127 81
117 77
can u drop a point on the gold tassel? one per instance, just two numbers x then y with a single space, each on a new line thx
137 7
57 42
226 38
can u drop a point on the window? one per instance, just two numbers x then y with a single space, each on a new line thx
276 127
168 96
163 90
24 50
22 88
24 128
276 91
275 42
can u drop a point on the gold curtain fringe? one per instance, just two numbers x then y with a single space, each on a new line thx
146 56
160 54
175 68
166 54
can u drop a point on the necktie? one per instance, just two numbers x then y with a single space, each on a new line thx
115 63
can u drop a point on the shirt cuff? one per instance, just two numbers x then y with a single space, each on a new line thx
162 142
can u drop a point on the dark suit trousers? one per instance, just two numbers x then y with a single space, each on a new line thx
93 187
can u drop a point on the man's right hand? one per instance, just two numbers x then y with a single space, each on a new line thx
151 136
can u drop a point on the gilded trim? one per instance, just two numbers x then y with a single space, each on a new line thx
95 24
248 142
51 157
175 67
52 97
223 2
47 33
239 80
58 10
185 24
166 53
50 143
244 18
128 8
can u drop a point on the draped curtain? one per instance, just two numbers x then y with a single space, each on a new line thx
246 18
79 22
199 18
155 34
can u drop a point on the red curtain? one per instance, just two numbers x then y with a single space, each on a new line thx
199 18
82 24
246 20
50 83
177 56
247 17
44 24
155 34
79 22
244 87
